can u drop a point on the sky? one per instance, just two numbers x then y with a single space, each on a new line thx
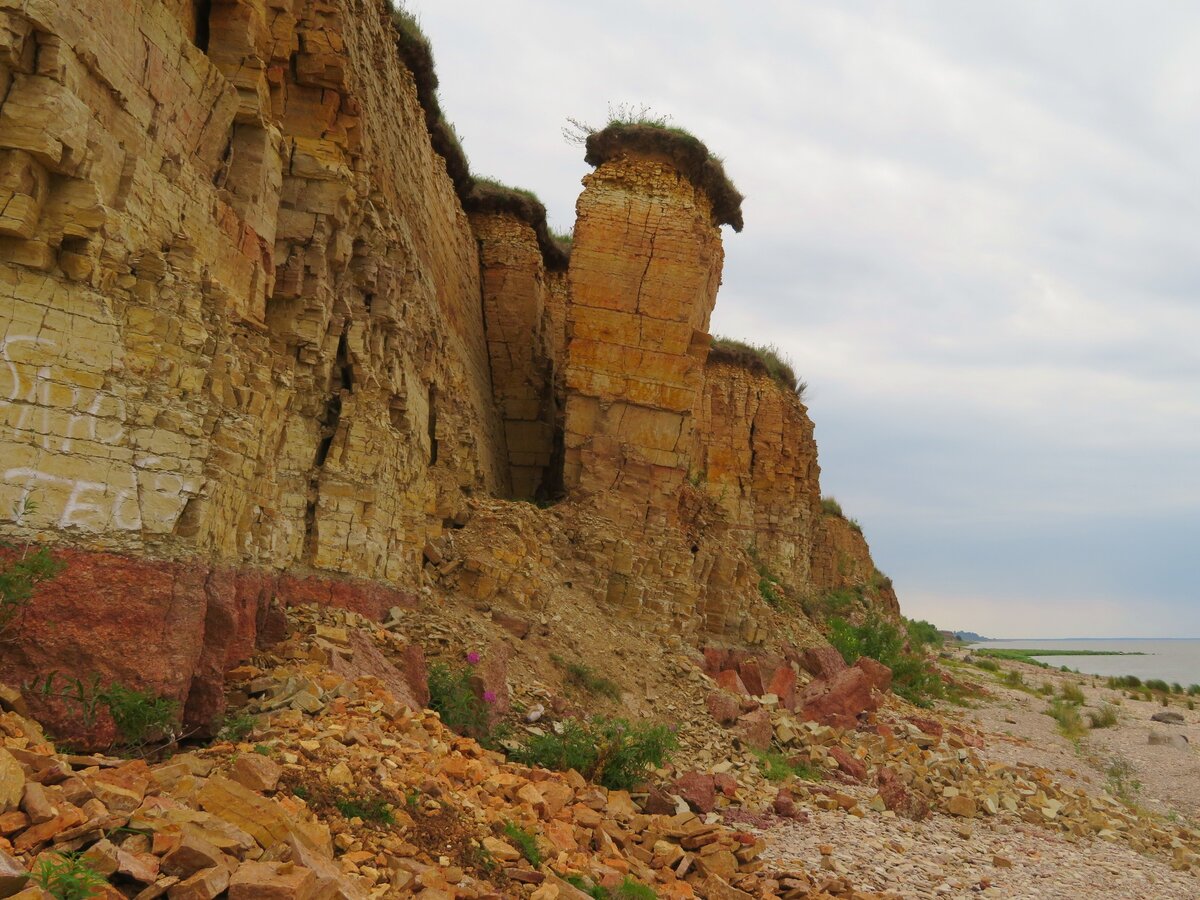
975 230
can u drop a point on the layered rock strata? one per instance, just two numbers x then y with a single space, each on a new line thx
241 317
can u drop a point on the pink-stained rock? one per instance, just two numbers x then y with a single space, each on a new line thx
751 677
723 707
783 686
698 790
729 680
879 675
840 700
754 728
822 662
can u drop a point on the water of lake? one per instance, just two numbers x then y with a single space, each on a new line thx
1170 660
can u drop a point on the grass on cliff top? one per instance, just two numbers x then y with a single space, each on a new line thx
765 358
637 128
498 185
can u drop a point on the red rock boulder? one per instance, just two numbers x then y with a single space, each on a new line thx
840 700
822 662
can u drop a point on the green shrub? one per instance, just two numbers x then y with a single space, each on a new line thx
1071 692
1104 717
140 716
525 842
1047 689
452 697
856 526
583 676
612 752
920 632
768 590
1157 684
830 507
1124 682
912 676
988 665
67 876
370 809
1176 687
1193 690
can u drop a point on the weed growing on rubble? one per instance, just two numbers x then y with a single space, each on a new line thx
584 676
1071 692
1121 783
913 678
67 876
525 841
369 809
612 752
626 890
776 766
1104 717
1070 723
452 697
236 727
20 575
140 717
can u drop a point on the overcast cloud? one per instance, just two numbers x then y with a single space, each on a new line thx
975 228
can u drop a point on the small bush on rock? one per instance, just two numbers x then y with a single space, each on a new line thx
585 677
452 697
612 752
913 678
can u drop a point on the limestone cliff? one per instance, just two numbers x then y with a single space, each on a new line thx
263 340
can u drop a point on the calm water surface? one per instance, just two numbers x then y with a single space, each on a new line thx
1170 660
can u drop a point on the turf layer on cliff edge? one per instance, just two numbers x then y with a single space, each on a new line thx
686 151
763 359
486 195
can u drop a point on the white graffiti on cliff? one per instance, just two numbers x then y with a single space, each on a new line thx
112 498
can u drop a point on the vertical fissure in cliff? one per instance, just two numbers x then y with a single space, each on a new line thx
203 24
433 441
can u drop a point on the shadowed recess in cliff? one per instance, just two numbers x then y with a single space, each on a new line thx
687 153
487 195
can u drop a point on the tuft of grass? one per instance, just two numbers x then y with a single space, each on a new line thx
776 767
525 842
612 752
67 876
766 358
1070 723
1158 686
830 507
370 809
20 577
1071 692
1104 717
585 677
990 665
1047 689
1013 678
1121 783
629 889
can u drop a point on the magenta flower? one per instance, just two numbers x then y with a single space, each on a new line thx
472 657
489 696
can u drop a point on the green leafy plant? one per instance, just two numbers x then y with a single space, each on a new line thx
913 678
236 727
67 876
525 842
139 716
920 632
368 808
454 699
612 752
19 577
1158 685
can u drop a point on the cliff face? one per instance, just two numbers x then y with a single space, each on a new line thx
254 351
241 303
